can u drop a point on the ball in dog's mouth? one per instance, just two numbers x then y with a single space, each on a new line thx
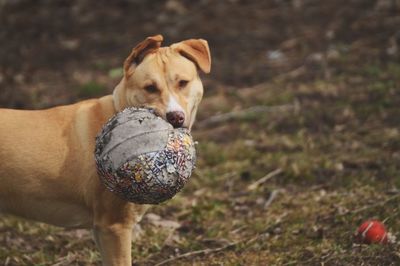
141 158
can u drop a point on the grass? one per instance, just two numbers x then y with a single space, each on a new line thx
339 156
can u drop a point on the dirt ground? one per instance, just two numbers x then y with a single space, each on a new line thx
306 90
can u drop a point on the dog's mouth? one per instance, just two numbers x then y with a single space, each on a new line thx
159 114
183 126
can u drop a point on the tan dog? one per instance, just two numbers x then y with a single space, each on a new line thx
47 169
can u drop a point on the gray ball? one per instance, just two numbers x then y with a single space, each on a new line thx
142 158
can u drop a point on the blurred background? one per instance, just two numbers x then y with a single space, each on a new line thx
298 131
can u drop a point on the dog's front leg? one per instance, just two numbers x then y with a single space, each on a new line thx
114 243
113 224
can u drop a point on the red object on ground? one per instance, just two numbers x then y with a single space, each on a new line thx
372 232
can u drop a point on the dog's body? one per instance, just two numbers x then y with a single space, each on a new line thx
47 169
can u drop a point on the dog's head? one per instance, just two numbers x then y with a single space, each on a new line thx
165 79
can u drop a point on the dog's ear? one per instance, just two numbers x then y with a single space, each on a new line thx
149 45
196 51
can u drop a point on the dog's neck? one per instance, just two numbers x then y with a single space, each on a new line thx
116 100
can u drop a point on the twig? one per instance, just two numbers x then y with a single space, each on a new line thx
216 119
370 206
264 179
66 260
207 251
198 252
271 198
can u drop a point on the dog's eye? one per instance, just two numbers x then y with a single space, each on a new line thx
183 83
151 88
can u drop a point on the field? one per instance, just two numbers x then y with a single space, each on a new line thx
298 133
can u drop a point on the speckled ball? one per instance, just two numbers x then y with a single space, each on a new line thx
142 158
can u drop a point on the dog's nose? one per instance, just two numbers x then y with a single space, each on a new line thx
176 118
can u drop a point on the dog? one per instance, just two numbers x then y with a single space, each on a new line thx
47 167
